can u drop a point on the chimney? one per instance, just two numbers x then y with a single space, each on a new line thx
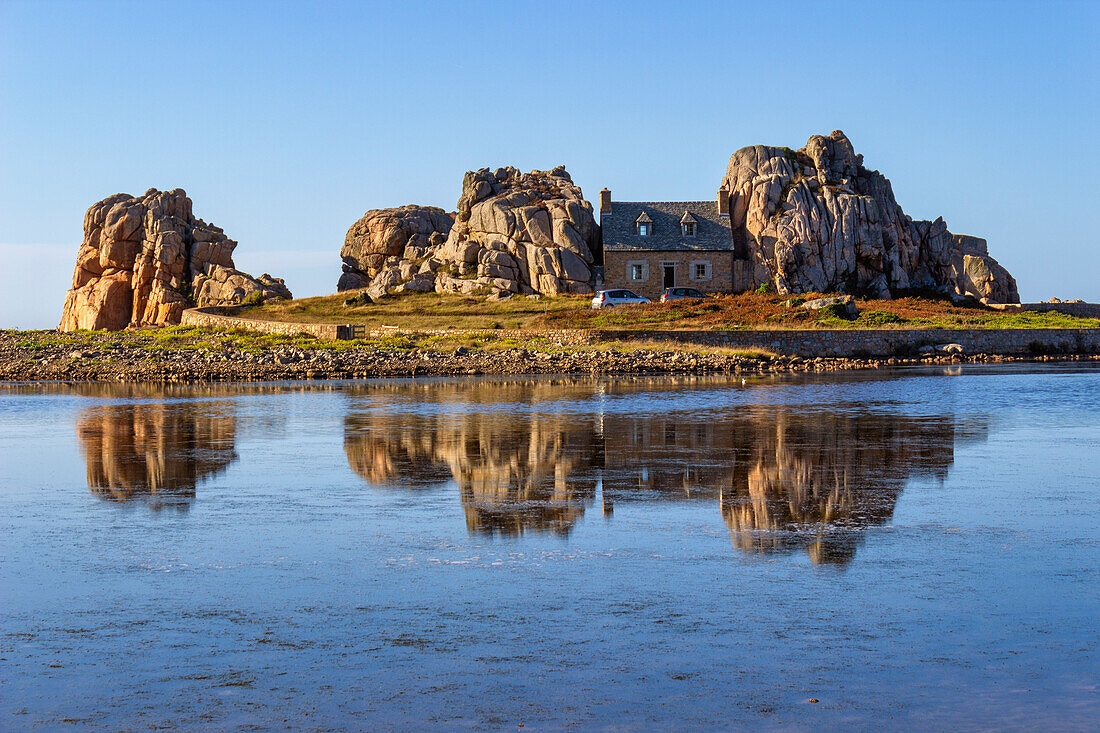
724 202
605 201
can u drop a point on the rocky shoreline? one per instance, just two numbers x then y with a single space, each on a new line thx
38 357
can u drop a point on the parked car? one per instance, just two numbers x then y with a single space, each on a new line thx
681 293
608 298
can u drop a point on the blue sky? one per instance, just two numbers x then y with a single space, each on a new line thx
286 121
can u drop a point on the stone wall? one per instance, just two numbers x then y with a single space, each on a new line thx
1079 310
805 343
216 317
880 343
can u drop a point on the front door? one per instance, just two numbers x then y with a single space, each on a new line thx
670 276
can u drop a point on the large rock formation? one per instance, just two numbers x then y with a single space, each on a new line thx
514 233
144 259
817 220
388 236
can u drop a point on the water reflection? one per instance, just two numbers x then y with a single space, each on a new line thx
516 469
534 456
813 481
156 452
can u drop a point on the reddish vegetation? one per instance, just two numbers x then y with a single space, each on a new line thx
755 310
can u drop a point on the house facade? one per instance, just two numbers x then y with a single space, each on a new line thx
652 245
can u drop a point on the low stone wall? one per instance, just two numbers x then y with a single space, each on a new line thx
215 317
882 343
811 343
805 343
1079 310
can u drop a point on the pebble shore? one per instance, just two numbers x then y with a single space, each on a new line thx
99 359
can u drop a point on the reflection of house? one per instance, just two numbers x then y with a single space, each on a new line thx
784 479
652 245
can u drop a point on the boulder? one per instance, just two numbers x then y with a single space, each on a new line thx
144 259
817 220
513 233
408 232
529 233
843 305
982 277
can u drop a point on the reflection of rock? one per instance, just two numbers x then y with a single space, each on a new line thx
784 478
155 452
513 474
811 480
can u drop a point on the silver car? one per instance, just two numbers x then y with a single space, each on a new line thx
608 298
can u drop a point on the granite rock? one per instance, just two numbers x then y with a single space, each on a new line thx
817 220
512 233
144 259
408 232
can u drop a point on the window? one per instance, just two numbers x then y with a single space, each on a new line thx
700 270
689 229
644 229
637 272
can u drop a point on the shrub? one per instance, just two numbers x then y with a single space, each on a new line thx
880 318
764 288
836 310
253 298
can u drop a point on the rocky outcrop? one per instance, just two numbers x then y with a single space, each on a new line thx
385 237
817 220
514 233
521 233
144 259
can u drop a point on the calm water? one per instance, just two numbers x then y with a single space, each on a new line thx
918 549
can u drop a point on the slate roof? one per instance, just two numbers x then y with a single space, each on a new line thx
621 235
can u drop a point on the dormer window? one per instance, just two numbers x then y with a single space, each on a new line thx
644 225
687 224
643 230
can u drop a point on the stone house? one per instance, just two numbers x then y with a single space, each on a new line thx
652 245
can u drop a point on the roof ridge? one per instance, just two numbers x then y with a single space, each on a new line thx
694 201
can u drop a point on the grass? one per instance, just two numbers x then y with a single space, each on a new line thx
747 311
418 310
767 311
479 324
756 310
227 342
